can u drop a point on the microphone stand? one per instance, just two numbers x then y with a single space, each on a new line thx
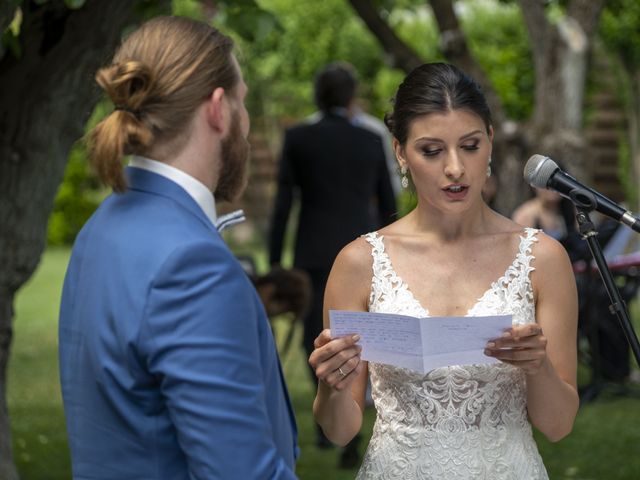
585 202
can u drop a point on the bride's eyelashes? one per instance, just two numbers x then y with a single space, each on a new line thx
432 152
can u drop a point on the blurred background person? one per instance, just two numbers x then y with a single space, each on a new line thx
338 172
548 211
603 345
358 115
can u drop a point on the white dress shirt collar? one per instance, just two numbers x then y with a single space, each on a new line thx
195 188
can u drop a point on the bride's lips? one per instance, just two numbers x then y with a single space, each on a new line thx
456 191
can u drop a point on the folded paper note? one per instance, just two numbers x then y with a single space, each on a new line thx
420 344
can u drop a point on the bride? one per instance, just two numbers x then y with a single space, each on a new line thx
452 256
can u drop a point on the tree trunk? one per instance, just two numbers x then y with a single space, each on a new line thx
46 96
561 53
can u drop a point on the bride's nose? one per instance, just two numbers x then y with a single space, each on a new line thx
453 167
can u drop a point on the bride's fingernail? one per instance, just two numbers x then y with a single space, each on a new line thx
491 345
355 338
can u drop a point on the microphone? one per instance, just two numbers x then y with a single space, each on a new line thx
542 172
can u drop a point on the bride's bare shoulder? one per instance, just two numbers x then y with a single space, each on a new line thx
355 256
349 282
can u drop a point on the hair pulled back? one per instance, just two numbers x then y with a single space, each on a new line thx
434 88
158 77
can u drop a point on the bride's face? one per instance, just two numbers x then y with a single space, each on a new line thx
447 156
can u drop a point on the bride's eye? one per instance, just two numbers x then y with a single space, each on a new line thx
428 152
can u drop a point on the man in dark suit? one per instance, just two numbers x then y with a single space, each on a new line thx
339 171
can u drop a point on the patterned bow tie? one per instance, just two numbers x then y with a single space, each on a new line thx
230 219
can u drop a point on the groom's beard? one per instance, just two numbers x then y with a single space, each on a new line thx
234 169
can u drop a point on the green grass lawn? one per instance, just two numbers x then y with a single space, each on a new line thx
605 443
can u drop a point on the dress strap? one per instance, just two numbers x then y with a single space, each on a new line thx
519 276
381 263
375 240
525 256
381 267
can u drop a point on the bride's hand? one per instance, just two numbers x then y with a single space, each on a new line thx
336 361
523 346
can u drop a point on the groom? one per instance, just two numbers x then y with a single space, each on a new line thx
167 362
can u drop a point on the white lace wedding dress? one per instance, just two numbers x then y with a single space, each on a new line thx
461 422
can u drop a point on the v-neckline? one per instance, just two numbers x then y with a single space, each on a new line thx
402 284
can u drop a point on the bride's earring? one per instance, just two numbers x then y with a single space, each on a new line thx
489 168
404 181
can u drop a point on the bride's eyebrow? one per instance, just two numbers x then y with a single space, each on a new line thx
470 134
439 140
427 139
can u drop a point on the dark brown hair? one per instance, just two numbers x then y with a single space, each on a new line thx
335 86
434 88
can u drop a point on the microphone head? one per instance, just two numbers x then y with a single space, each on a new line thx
538 171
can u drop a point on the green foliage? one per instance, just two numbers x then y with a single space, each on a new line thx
407 201
78 197
248 20
187 8
416 26
620 30
74 4
10 36
280 68
33 389
498 40
245 17
80 192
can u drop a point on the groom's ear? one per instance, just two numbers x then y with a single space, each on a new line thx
216 111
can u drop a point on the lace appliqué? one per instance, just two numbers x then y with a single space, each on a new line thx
459 422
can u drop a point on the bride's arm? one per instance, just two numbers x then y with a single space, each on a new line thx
546 350
552 392
342 376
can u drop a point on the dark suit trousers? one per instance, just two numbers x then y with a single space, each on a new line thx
313 320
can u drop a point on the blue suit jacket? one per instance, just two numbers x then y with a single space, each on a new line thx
167 362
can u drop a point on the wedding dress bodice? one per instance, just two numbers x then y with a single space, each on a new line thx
460 422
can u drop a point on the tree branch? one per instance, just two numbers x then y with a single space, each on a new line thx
586 13
46 96
455 48
402 56
538 27
543 38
